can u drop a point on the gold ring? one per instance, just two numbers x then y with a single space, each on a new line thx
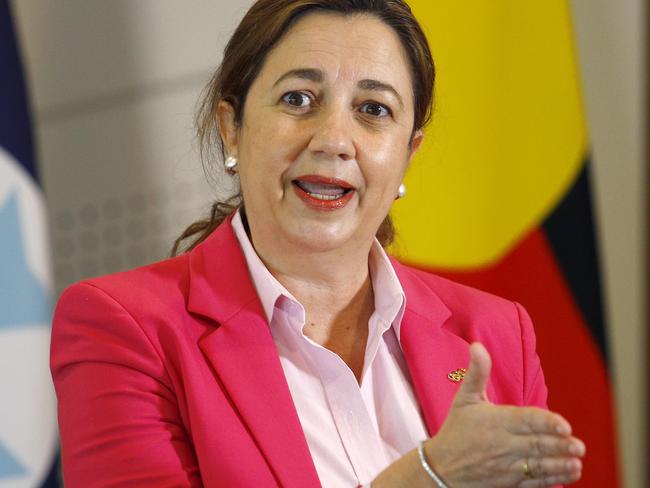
527 471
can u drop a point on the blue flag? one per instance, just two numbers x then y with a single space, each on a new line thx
28 439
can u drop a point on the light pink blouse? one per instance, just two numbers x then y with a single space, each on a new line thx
353 431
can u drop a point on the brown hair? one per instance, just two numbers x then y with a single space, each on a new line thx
258 32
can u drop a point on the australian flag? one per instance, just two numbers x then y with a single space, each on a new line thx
28 437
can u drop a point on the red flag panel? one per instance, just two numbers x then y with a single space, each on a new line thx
571 359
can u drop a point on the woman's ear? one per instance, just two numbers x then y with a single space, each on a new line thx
416 142
227 126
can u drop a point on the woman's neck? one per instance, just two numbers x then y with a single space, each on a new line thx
337 296
333 280
333 286
336 277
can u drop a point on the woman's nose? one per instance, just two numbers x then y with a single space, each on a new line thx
333 136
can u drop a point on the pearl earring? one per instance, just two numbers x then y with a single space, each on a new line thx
401 191
231 164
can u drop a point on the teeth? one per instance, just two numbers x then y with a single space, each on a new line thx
320 189
318 196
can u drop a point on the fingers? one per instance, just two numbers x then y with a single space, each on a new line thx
549 472
540 446
533 420
474 385
550 481
551 460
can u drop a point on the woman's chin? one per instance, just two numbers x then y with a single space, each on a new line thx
322 237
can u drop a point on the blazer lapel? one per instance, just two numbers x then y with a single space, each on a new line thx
242 352
431 350
431 354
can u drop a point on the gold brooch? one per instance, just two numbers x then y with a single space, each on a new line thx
457 376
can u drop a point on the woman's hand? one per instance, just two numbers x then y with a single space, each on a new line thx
485 445
482 445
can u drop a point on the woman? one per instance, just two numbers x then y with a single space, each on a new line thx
285 348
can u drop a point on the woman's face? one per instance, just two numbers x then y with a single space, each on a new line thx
325 136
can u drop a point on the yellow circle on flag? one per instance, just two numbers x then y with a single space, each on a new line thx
507 138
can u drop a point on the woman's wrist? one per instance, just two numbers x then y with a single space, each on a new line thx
406 472
428 469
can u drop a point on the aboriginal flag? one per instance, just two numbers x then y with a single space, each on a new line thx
28 441
499 198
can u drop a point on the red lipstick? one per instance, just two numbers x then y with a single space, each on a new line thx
325 180
322 192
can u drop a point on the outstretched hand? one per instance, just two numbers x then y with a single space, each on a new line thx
485 445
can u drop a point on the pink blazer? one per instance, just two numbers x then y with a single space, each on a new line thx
168 375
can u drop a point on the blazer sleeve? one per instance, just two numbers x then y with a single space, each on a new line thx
118 416
535 392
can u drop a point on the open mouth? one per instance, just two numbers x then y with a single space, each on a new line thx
322 192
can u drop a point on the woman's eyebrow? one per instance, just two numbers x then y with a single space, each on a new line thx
310 74
375 85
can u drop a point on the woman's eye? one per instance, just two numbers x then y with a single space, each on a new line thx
297 99
375 109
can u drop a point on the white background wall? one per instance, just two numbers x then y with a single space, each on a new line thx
114 86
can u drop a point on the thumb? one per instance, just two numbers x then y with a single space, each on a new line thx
473 389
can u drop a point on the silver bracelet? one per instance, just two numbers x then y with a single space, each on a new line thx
427 468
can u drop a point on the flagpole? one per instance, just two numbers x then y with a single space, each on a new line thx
646 212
